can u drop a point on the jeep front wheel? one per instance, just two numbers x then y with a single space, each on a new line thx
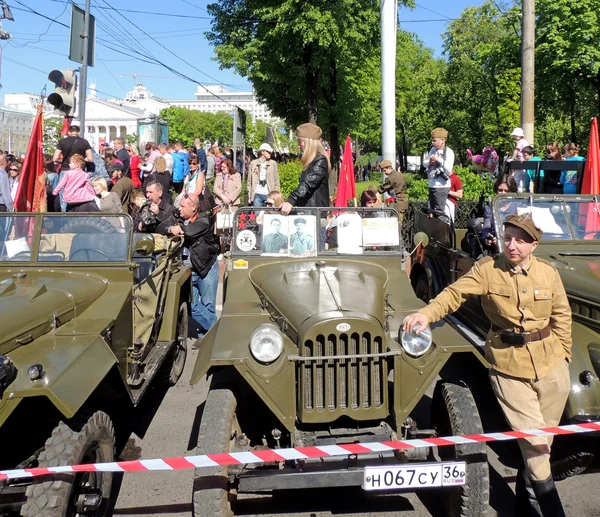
84 440
422 288
214 495
455 414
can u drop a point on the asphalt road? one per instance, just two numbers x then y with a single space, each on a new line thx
167 425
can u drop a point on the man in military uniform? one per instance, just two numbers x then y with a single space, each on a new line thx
528 346
301 243
275 242
395 187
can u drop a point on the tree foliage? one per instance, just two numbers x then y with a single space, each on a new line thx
52 128
186 125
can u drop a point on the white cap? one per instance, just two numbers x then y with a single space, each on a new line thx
266 147
517 132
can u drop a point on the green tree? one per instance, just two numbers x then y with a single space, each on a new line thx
567 66
132 138
310 61
186 125
52 128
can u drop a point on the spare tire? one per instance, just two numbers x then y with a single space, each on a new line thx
88 225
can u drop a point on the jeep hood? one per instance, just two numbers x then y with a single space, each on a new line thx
30 301
331 288
580 275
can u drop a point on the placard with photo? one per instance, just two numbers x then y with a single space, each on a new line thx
275 235
302 241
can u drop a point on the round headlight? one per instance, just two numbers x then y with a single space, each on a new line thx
266 343
415 344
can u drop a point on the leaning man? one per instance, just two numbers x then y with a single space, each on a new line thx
528 346
195 226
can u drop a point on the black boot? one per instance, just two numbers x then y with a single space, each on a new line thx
548 498
526 504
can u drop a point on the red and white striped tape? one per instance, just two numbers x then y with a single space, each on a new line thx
298 453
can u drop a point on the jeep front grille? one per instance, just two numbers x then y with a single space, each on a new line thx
585 310
343 382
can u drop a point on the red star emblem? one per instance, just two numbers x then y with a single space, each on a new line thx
242 216
252 216
241 225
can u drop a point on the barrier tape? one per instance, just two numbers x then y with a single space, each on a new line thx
298 453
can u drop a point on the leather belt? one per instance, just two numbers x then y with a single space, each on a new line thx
516 338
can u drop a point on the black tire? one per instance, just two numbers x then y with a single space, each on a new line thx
172 368
213 494
85 440
88 225
455 413
422 288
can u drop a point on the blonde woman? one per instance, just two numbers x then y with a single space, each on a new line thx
313 189
106 201
134 165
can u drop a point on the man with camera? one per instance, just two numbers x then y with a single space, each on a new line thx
156 209
438 164
263 177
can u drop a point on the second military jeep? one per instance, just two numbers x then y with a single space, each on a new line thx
308 352
91 315
571 243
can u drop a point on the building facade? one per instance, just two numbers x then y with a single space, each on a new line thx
216 98
15 129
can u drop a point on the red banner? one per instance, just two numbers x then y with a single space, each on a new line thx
346 186
31 191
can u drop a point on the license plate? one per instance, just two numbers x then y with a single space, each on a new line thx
422 475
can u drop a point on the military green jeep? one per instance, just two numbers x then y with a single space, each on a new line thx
308 352
571 243
91 314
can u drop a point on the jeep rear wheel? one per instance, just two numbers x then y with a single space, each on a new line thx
173 366
85 440
455 414
214 495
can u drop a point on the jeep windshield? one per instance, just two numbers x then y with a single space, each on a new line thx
561 218
308 232
64 237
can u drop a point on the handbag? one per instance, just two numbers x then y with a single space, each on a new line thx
224 219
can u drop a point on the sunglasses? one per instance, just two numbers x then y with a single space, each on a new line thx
13 169
270 203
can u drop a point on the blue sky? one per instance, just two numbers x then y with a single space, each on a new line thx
39 45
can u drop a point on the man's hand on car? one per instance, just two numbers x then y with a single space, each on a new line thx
415 320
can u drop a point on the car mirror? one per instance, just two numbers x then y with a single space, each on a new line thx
144 246
421 238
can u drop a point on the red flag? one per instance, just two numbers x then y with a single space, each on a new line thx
31 191
591 183
66 125
346 187
591 175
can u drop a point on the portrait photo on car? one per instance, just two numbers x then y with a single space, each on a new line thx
275 235
302 235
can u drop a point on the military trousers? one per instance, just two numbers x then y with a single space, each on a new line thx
531 404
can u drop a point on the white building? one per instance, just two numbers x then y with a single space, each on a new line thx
215 98
26 102
15 129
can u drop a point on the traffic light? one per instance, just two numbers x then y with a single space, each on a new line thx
63 98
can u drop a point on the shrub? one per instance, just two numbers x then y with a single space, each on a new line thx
289 176
473 185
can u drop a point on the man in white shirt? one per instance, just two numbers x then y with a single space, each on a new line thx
168 158
439 163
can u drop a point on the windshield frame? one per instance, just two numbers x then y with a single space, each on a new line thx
536 200
35 245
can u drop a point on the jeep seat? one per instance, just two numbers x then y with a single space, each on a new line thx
146 263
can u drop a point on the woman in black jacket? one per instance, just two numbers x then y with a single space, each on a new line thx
313 189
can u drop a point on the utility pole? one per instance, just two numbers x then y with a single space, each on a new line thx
83 68
528 69
389 16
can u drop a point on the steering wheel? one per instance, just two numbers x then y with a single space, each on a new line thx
87 253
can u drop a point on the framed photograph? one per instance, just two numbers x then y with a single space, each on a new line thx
302 239
275 240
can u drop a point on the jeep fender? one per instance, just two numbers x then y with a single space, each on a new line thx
584 400
73 366
180 290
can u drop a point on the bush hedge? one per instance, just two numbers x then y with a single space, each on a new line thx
473 185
